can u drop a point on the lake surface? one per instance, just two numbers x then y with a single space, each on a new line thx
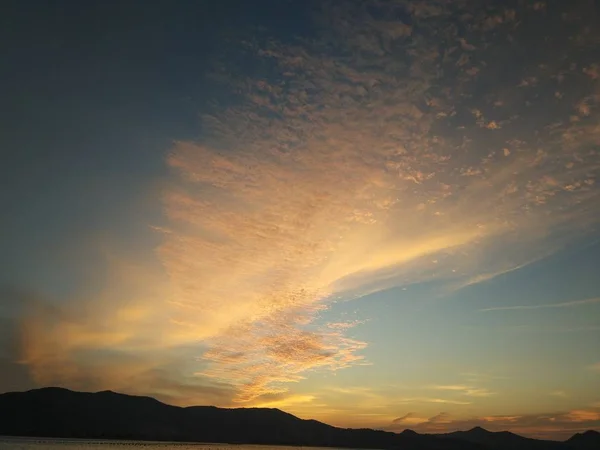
8 443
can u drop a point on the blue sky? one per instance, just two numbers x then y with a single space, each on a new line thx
373 215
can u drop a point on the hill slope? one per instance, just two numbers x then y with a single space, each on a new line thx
56 412
587 440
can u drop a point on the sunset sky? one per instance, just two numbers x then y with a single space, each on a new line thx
371 213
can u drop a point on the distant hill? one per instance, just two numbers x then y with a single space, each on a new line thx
57 412
587 440
504 440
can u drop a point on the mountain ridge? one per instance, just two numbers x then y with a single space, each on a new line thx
504 439
64 413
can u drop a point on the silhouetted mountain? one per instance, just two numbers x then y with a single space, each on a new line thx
57 412
504 440
586 440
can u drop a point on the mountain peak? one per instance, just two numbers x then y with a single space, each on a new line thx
585 436
50 389
478 429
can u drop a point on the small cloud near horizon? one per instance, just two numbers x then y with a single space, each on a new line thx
464 390
571 304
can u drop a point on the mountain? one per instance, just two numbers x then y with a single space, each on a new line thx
504 440
586 440
57 412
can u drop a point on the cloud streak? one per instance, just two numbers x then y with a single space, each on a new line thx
465 390
336 176
571 304
357 161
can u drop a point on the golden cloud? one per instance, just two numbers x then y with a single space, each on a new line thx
365 161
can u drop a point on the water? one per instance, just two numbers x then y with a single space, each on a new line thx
17 443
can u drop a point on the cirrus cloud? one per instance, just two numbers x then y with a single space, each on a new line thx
350 162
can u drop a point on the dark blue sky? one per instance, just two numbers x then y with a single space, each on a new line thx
94 95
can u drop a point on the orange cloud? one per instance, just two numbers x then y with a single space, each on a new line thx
582 415
338 176
465 390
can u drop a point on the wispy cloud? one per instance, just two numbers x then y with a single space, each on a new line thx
409 419
430 400
363 161
465 390
571 304
440 418
286 402
582 415
452 387
287 249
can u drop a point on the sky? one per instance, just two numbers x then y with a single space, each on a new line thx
371 213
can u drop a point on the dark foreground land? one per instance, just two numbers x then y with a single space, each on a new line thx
61 413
